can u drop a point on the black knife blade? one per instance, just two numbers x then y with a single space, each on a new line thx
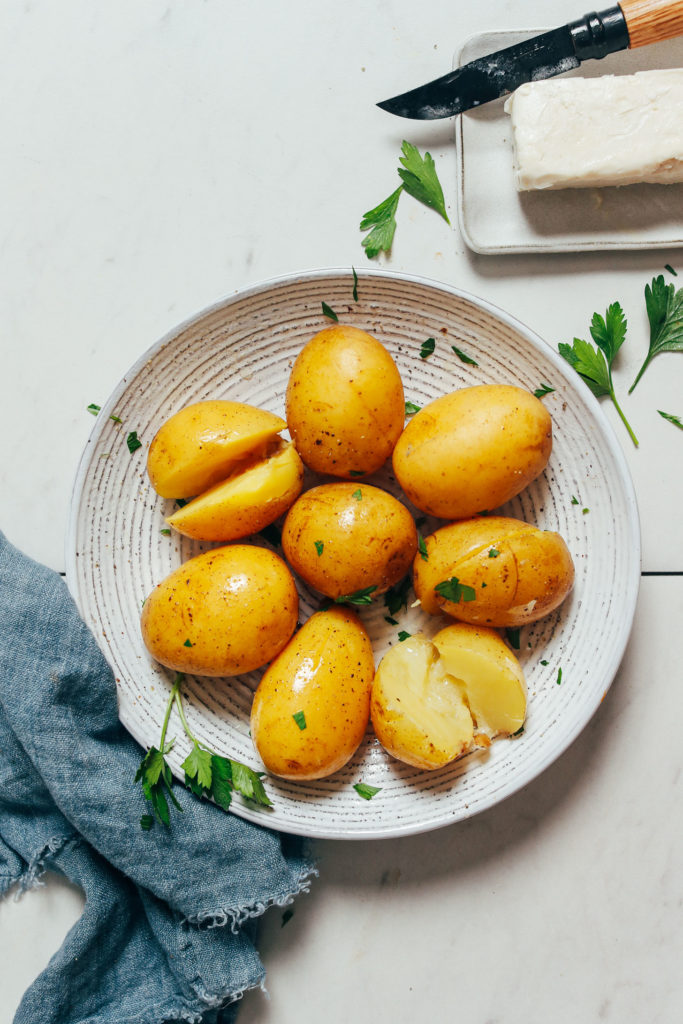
487 78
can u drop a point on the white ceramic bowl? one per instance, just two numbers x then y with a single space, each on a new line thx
243 348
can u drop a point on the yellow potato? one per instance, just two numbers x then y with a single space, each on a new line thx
417 708
345 406
472 450
491 677
342 538
512 573
251 499
205 443
311 708
227 611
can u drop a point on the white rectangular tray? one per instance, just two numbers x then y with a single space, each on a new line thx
494 218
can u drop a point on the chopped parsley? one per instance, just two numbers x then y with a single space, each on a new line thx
357 597
355 284
397 596
330 313
463 357
455 591
319 545
392 622
188 643
544 389
166 532
300 719
133 441
411 408
512 635
358 495
493 553
366 791
93 409
676 420
403 635
422 548
427 348
559 676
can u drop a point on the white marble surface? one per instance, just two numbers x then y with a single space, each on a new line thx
157 156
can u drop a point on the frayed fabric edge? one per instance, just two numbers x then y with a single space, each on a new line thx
167 1012
31 878
237 916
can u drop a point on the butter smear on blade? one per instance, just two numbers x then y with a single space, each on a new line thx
586 132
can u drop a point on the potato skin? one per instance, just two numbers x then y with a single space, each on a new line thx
245 503
345 407
204 442
236 605
367 541
529 577
326 672
472 450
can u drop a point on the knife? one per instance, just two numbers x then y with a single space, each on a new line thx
632 23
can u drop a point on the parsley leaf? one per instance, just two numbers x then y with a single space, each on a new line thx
420 179
166 532
133 441
271 534
545 662
300 719
512 636
665 312
358 495
411 408
594 365
392 622
422 548
403 635
382 221
198 765
544 389
356 472
455 591
330 313
319 545
397 596
93 409
676 420
357 597
188 643
559 676
355 284
667 266
464 357
366 791
493 552
575 500
427 348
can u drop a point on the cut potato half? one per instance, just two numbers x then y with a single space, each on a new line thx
433 701
252 498
205 443
417 708
491 676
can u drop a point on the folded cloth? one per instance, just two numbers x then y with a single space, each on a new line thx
168 929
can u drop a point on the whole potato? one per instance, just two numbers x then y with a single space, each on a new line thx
345 406
311 708
342 538
246 502
472 450
205 443
227 611
417 708
493 570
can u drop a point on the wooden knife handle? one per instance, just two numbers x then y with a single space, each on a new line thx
651 21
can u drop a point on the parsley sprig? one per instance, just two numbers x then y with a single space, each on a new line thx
665 312
594 365
420 180
207 774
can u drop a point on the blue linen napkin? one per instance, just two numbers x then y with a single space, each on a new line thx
168 929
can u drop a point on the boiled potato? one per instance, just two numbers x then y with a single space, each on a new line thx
345 537
252 498
345 407
493 570
227 611
417 708
489 674
472 450
205 443
311 708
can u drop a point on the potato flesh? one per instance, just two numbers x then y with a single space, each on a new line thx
252 498
205 443
433 701
417 708
326 673
492 678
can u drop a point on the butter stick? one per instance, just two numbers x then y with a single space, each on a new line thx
588 132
